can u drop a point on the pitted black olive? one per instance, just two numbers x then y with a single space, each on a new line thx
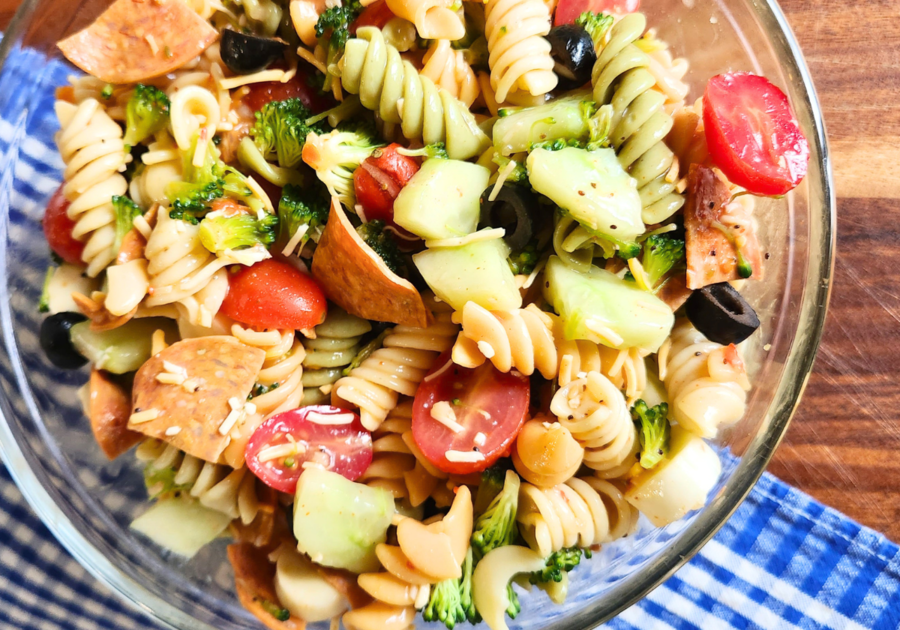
721 313
57 343
573 55
246 54
514 209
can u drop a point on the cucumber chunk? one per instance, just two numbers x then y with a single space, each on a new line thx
442 200
598 300
592 187
339 522
123 349
565 118
66 280
477 272
181 525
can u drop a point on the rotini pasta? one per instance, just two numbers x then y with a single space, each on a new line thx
640 121
706 383
394 89
91 146
218 487
334 346
434 19
545 453
278 386
594 411
582 512
519 56
449 70
395 369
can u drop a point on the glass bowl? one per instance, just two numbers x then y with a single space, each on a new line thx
88 502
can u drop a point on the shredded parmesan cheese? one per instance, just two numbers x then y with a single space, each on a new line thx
151 42
191 385
289 449
144 416
640 277
486 349
168 378
229 422
310 58
171 368
257 77
463 456
253 185
480 439
475 237
200 150
235 403
434 375
502 175
295 240
172 431
443 413
534 274
329 419
326 389
140 224
605 333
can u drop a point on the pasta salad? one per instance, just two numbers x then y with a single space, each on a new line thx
411 299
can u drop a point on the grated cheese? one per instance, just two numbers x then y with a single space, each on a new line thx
229 422
295 240
235 403
310 58
289 449
640 277
434 375
167 378
463 456
486 349
326 389
200 150
141 225
476 237
262 76
143 416
604 332
191 385
502 175
253 185
174 369
534 274
151 42
172 431
480 439
330 419
443 413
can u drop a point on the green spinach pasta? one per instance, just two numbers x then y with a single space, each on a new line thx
413 310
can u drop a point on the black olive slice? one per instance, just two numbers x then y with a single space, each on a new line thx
246 54
721 313
56 342
514 210
573 55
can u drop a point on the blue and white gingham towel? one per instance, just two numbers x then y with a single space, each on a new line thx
782 561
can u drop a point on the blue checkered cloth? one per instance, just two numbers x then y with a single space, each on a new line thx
782 561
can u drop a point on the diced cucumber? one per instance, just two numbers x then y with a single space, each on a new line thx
123 349
679 483
64 281
477 272
598 300
181 525
592 187
339 522
564 118
442 200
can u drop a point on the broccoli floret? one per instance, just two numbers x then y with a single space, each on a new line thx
514 607
596 25
496 527
382 243
466 596
190 201
335 156
338 20
437 150
559 563
661 253
654 430
524 260
445 604
219 232
44 303
259 389
126 211
280 130
492 480
160 482
299 208
281 614
146 113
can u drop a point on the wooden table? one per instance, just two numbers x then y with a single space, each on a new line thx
844 444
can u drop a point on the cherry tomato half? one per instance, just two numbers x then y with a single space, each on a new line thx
298 87
58 229
484 400
379 179
322 434
376 14
753 135
567 11
273 294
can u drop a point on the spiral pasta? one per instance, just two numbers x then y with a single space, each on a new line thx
640 121
519 56
334 346
281 373
519 339
395 369
449 70
582 512
594 411
545 453
218 487
706 387
91 146
394 89
162 165
434 19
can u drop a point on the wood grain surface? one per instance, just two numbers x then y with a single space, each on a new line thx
843 446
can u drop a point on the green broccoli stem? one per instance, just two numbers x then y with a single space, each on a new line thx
654 429
496 527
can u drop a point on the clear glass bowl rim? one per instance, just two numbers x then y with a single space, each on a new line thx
797 369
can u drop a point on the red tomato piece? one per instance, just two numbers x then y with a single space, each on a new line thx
379 179
376 14
567 11
319 434
58 229
753 135
298 87
273 294
484 400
